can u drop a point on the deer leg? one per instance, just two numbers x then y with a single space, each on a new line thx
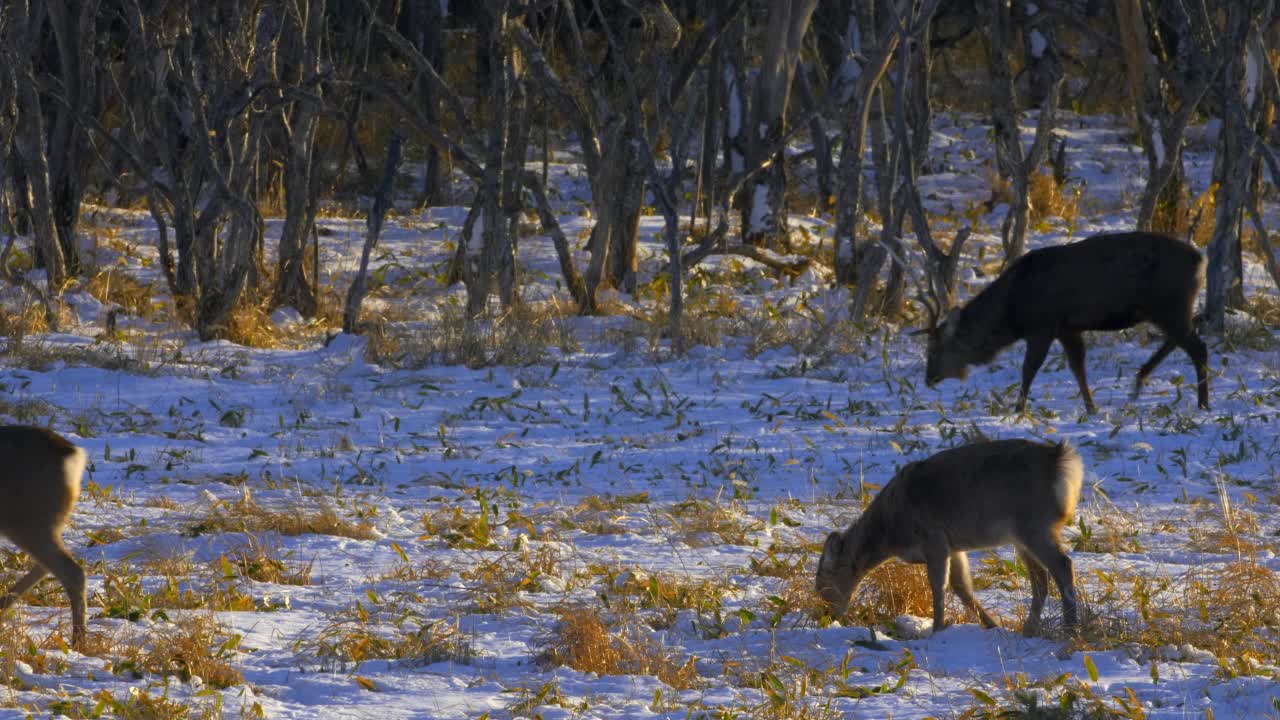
1159 356
1037 350
937 563
1039 591
49 552
20 588
962 585
1073 346
1199 355
1046 548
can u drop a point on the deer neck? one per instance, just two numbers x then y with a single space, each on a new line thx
983 328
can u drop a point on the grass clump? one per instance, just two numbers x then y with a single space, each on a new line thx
585 641
359 633
136 705
895 588
501 583
793 568
1231 610
111 286
705 523
527 333
128 595
670 593
1049 199
261 561
247 516
189 647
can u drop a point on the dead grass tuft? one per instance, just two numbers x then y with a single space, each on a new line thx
17 325
112 286
1050 200
18 645
261 561
525 334
502 583
585 642
670 593
1231 610
704 523
192 646
793 567
318 518
356 635
893 589
1199 211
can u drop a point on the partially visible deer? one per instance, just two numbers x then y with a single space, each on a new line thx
976 496
39 486
1104 282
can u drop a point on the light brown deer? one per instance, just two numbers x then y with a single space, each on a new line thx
972 497
40 484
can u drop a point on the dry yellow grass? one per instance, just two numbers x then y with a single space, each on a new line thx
585 642
701 523
893 589
111 286
260 560
354 635
520 336
1048 199
193 646
245 515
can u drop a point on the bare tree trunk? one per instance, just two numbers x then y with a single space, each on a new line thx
919 111
1223 287
623 165
1012 162
377 214
302 35
492 259
712 133
20 43
1160 128
30 145
824 167
430 23
886 159
74 32
763 201
856 82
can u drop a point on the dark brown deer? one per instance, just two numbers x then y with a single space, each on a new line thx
1104 282
39 487
972 497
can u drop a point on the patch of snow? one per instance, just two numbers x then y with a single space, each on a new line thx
847 78
757 223
852 35
910 627
1252 74
285 316
734 102
844 249
1157 142
1038 43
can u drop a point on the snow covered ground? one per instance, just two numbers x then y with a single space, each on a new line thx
467 536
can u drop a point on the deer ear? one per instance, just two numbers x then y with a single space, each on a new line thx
831 552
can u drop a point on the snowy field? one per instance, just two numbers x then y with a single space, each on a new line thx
604 531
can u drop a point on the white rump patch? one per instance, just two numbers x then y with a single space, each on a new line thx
1066 487
73 470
